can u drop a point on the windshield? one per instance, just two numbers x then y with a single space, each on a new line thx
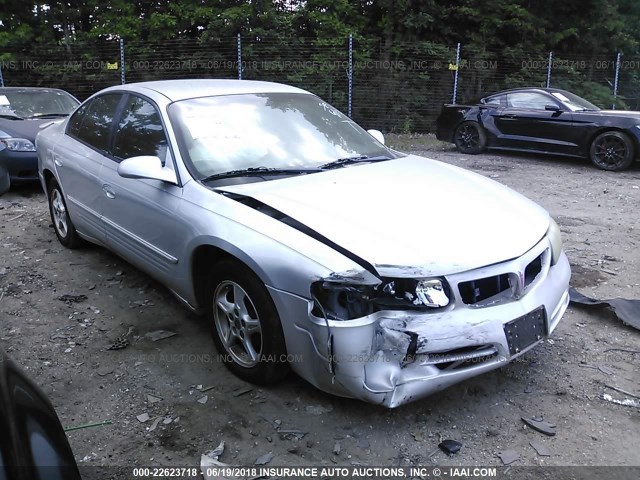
574 102
272 130
36 103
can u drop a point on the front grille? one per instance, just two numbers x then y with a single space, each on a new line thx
474 291
460 357
532 270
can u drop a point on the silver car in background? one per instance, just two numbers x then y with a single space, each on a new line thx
307 242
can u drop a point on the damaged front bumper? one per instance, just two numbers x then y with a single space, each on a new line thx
395 357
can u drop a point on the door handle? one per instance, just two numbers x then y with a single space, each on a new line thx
509 115
108 191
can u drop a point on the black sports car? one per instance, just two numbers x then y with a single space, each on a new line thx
544 120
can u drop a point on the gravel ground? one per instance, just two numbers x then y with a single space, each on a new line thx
64 347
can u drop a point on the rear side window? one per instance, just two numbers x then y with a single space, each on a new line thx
92 123
75 122
139 131
496 100
532 100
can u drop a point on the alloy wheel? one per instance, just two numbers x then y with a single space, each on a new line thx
468 137
610 152
237 322
59 213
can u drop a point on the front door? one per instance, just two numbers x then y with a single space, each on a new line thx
141 216
525 123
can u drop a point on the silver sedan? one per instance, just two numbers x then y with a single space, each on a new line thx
307 243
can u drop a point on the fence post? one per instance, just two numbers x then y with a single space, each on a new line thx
122 77
549 69
350 74
239 42
455 75
615 81
1 77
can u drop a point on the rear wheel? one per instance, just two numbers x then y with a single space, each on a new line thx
612 151
65 231
246 325
470 138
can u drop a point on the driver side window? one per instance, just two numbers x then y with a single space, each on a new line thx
139 131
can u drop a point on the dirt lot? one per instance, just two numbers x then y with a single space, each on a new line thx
64 347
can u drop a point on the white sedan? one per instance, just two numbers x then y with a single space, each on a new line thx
307 243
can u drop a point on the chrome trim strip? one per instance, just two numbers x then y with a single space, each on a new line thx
83 206
144 243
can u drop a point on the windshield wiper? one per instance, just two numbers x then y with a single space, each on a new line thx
10 116
351 160
259 172
52 114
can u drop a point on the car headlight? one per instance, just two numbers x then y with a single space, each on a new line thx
555 238
346 301
18 144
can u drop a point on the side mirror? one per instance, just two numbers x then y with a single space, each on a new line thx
552 108
377 134
147 167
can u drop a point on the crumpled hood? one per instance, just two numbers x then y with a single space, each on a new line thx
411 216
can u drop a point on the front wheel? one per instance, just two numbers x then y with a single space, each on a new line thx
5 180
246 325
65 231
612 151
470 138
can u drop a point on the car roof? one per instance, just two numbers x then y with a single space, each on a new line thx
526 89
176 90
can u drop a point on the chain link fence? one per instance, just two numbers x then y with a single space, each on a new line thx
398 87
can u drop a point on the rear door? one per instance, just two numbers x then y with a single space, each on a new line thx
78 160
141 216
525 123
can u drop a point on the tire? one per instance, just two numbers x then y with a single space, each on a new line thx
245 324
5 180
612 151
65 231
470 138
